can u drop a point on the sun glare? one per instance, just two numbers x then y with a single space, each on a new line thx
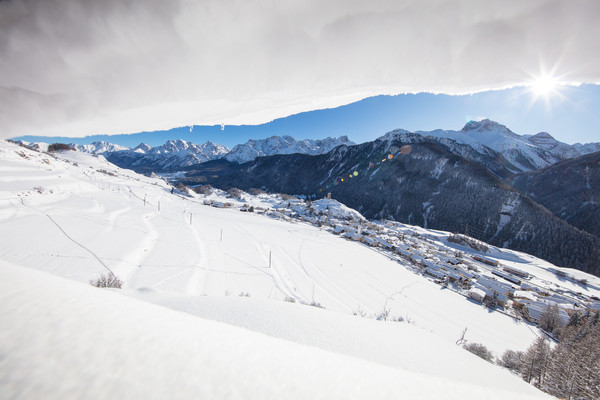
544 86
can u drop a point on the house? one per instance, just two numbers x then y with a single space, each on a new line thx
476 294
533 310
495 289
353 236
338 229
485 261
508 277
516 272
384 243
496 286
438 274
370 241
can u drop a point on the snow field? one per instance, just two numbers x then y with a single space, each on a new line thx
63 339
82 234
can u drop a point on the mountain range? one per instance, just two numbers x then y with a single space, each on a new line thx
177 155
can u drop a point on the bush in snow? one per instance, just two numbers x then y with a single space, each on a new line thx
511 360
550 319
315 304
109 280
235 193
204 189
360 312
256 192
479 350
384 315
58 147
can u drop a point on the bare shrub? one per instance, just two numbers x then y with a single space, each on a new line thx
511 360
467 241
559 273
58 147
479 350
204 189
235 193
109 280
384 315
256 192
103 171
550 318
315 304
582 282
360 312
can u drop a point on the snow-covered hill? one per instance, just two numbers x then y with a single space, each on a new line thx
61 339
283 145
76 216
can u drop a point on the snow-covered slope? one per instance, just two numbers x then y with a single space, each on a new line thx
283 145
78 216
61 339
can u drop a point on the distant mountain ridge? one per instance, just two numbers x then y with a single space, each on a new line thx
173 155
524 152
177 155
514 153
98 147
283 145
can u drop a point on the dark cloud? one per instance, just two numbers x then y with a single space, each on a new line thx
76 67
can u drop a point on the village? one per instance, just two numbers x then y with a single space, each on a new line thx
456 262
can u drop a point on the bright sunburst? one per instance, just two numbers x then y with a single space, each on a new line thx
544 86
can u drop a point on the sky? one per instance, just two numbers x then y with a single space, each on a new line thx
570 115
75 68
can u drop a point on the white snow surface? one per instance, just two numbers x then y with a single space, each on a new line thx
76 216
61 339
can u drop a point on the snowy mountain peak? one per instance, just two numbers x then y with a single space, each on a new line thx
142 148
488 126
176 145
395 134
543 140
283 145
544 135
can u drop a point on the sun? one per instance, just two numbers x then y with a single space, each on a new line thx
544 86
